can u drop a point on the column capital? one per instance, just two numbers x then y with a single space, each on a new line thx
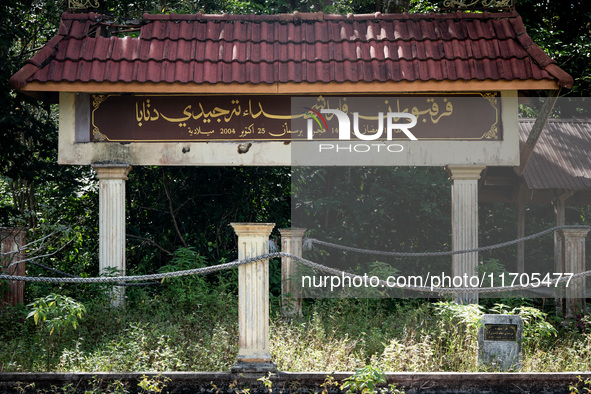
292 232
464 172
574 232
111 170
256 229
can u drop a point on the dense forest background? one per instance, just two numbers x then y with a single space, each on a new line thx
191 207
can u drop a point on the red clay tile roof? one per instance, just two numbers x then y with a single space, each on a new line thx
295 48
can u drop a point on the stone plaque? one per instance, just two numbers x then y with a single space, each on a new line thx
499 342
500 332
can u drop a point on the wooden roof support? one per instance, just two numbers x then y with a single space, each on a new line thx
536 130
521 227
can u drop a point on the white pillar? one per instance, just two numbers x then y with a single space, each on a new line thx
574 262
464 200
112 177
253 299
291 293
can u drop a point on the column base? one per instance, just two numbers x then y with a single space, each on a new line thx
246 367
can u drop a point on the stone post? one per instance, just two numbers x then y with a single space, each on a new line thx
574 261
253 299
112 177
291 293
12 241
464 200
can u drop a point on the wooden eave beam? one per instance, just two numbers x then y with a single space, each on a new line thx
536 131
303 88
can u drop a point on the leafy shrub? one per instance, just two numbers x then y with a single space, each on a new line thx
55 314
535 326
185 290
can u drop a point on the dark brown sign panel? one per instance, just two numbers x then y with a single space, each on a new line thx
500 332
169 118
189 118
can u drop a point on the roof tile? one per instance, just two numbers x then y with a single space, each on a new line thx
294 48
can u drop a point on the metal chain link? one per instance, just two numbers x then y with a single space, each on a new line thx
309 241
60 272
206 270
136 278
311 264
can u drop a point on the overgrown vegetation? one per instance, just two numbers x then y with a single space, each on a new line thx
178 219
160 334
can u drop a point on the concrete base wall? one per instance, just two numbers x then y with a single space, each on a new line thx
285 382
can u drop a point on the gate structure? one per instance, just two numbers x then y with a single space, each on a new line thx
216 90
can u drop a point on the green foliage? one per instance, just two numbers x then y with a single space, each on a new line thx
328 383
535 326
364 381
377 208
334 334
467 314
494 267
185 289
562 29
56 313
266 380
585 383
367 380
153 384
99 386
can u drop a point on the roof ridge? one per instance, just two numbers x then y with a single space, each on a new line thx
309 41
565 80
320 16
274 61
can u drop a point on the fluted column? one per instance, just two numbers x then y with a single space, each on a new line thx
574 262
253 298
291 293
464 200
112 177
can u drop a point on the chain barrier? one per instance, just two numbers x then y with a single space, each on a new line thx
60 272
309 263
308 242
207 270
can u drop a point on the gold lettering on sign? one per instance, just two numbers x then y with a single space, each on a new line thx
431 108
500 332
145 112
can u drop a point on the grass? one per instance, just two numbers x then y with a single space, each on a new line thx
155 333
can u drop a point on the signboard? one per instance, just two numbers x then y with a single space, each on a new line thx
281 130
178 118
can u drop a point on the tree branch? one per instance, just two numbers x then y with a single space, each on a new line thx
171 210
150 242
